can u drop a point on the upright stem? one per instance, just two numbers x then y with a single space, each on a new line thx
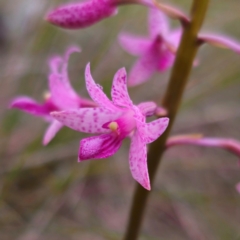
171 101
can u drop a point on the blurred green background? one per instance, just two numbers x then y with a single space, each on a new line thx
46 194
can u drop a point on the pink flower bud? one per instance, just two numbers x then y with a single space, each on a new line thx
80 15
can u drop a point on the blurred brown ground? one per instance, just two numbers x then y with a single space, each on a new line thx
46 194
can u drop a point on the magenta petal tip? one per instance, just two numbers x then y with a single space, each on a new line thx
147 185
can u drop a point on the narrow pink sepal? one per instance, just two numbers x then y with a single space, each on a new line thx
139 117
81 15
231 145
63 95
138 161
157 53
174 37
220 41
157 23
149 132
52 130
101 146
134 45
119 90
59 65
54 64
143 68
96 93
30 106
64 70
166 60
88 120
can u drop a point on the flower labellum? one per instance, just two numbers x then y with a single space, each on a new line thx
114 121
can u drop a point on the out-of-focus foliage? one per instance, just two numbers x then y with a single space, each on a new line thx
46 194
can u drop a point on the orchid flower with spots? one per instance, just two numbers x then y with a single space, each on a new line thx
156 52
114 121
61 96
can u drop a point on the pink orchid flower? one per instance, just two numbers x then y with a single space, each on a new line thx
61 96
115 120
156 52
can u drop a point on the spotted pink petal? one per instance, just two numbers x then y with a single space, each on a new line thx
96 93
174 37
149 132
119 91
157 23
143 68
52 130
88 120
59 65
62 96
54 64
166 60
102 146
133 44
64 70
138 115
80 15
30 106
147 108
62 93
140 120
138 161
